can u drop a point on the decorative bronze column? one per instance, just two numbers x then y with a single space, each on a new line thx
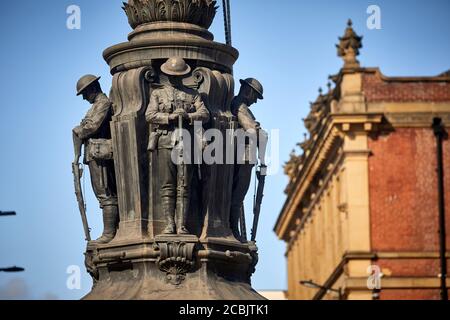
141 262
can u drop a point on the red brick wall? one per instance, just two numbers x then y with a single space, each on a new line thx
403 191
410 294
403 203
377 90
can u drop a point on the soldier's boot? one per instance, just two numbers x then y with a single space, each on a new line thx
168 207
110 220
183 209
235 215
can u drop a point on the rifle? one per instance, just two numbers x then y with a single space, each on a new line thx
243 226
77 174
261 173
181 162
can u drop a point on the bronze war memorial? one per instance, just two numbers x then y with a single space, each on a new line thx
173 224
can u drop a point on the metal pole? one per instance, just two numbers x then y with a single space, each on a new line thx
227 21
439 132
313 285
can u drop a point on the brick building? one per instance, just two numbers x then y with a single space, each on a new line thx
364 192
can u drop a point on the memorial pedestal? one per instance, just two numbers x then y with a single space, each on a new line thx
140 263
173 268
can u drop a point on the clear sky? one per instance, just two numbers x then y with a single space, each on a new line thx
289 45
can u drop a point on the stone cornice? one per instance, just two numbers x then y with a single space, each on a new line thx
377 71
316 200
315 158
411 114
337 78
357 283
357 121
388 282
334 126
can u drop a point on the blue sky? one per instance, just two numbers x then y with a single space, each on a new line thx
287 44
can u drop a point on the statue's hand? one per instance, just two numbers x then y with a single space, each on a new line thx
77 145
77 131
182 113
76 160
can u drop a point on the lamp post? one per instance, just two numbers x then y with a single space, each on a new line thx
7 213
441 134
10 269
313 285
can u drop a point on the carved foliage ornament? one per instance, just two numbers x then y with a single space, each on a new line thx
319 110
291 166
176 259
198 12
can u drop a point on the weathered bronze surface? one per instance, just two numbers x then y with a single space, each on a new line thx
94 132
174 103
251 90
171 228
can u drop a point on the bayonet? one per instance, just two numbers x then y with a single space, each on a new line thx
243 226
261 173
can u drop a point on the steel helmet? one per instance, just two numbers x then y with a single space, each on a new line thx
255 85
86 81
176 66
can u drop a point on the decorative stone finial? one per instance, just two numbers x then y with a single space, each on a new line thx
319 109
348 47
329 86
291 166
198 12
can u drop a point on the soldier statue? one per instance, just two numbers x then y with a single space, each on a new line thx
174 106
251 90
94 133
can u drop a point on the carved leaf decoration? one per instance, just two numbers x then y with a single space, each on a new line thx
176 259
177 14
208 18
199 12
161 10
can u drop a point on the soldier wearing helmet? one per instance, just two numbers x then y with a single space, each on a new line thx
167 104
251 90
94 133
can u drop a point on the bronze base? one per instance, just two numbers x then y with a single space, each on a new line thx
172 268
